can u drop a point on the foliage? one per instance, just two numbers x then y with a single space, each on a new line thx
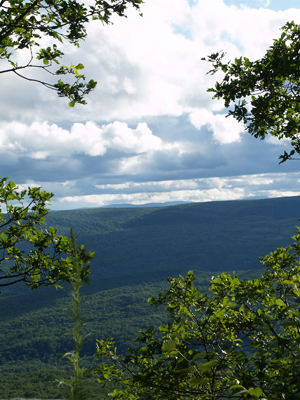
24 24
265 94
28 253
242 341
31 338
73 385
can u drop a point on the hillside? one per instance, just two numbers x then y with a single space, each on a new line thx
136 249
148 244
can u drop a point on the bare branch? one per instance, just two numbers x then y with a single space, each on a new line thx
48 85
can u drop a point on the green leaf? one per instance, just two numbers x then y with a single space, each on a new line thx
198 355
168 345
236 387
183 370
288 282
291 323
225 301
207 366
3 237
79 66
197 381
255 392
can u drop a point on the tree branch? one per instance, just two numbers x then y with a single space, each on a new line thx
48 85
18 19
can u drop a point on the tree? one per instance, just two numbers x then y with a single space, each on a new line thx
241 341
28 253
25 23
265 94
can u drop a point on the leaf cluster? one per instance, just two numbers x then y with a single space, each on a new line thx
28 253
25 23
265 94
241 341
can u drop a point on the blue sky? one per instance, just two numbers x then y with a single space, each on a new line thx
150 131
276 5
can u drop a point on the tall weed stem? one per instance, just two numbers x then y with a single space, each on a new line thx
73 384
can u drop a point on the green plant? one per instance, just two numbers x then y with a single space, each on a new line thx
73 385
242 341
265 94
28 253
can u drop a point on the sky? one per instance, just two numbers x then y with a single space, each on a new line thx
150 131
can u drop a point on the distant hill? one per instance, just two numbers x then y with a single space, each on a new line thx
148 244
135 245
129 205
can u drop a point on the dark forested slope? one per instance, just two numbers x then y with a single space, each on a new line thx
137 245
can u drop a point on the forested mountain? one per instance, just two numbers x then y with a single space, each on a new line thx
136 249
149 244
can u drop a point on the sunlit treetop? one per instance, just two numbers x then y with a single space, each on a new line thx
265 94
24 23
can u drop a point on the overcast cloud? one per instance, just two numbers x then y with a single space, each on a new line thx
150 131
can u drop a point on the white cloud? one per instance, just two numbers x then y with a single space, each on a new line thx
225 130
42 140
245 182
193 190
148 66
118 136
153 185
279 142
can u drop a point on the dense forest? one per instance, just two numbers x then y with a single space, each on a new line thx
135 251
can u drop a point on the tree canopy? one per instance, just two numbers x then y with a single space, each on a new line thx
240 341
265 94
25 23
28 253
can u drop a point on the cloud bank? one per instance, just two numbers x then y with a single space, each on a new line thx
150 120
